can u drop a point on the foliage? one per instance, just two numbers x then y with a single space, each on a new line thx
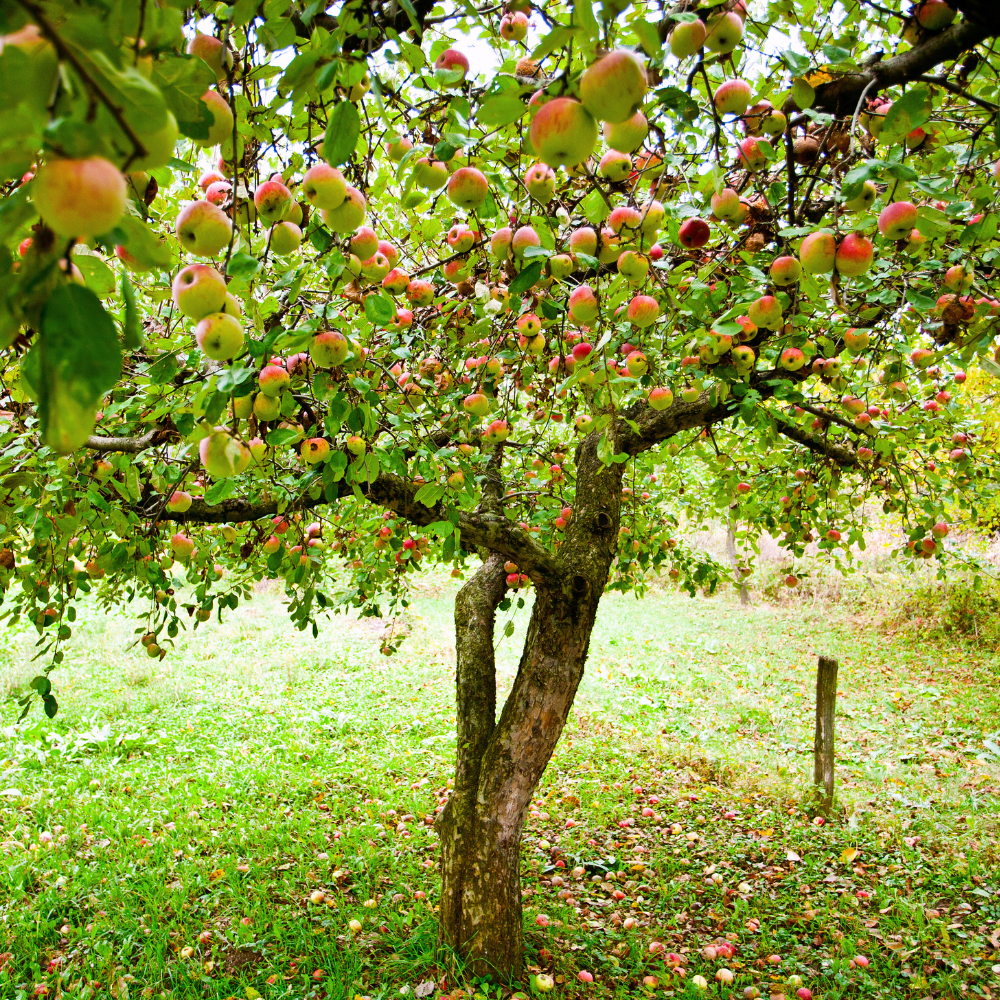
100 360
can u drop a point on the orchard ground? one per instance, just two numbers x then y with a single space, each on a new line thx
210 825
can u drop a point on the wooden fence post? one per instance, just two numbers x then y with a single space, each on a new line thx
826 709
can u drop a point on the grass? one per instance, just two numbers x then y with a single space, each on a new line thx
208 825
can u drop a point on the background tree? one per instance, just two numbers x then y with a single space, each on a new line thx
512 302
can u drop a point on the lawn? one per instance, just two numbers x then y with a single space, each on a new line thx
209 825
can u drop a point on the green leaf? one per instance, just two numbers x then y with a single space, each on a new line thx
242 265
182 81
430 493
142 243
584 12
594 207
803 94
96 272
76 360
281 436
495 112
220 491
379 309
342 132
526 278
51 706
836 54
795 61
15 210
132 324
648 36
907 113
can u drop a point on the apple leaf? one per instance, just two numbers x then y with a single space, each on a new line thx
501 110
584 11
75 361
526 278
132 325
906 114
430 493
342 132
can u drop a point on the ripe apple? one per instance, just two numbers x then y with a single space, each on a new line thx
857 340
896 221
182 546
211 49
612 89
766 312
324 186
818 253
687 38
583 305
626 136
467 188
315 450
222 120
222 455
272 379
733 97
84 197
397 150
855 255
203 228
514 26
786 271
430 173
694 233
725 204
272 199
349 214
959 278
219 336
284 238
563 132
933 15
583 240
452 59
525 236
179 502
750 155
420 292
643 311
633 266
863 200
724 32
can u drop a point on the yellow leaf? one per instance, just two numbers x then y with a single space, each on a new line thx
218 873
849 855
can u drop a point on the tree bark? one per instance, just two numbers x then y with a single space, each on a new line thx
498 766
826 710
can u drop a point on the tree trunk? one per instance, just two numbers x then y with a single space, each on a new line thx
734 561
499 764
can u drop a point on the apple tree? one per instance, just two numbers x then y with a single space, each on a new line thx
328 295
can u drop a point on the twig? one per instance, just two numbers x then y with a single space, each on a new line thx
940 81
857 111
132 445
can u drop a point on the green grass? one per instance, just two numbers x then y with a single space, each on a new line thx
212 793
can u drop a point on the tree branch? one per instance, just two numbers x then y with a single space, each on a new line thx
840 97
131 445
841 455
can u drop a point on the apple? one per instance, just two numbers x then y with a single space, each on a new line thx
452 59
524 237
222 455
855 255
959 278
612 89
896 221
218 192
222 120
818 253
750 155
430 173
84 197
561 266
467 188
694 233
733 97
633 266
242 407
563 132
284 238
933 15
420 292
725 204
324 186
397 150
863 200
583 305
500 242
700 982
315 450
687 38
626 136
544 983
219 336
272 200
584 976
643 311
660 398
272 379
203 228
211 49
583 240
785 271
179 502
514 26
376 268
208 178
182 546
791 359
540 181
744 359
766 312
724 32
857 340
349 214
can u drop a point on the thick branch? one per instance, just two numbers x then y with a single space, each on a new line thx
840 97
840 454
132 445
491 531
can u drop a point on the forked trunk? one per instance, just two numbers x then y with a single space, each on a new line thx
500 763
